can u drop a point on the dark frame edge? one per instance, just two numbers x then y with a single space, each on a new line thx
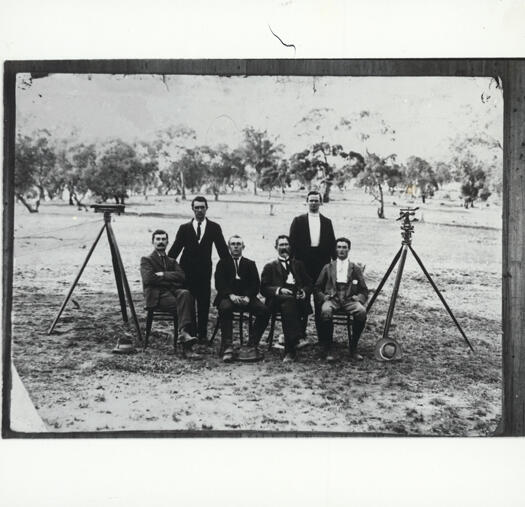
445 67
7 240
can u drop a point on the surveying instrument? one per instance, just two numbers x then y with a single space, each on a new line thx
388 349
124 344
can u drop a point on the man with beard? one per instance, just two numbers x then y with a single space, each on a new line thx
287 288
163 282
237 283
312 241
195 240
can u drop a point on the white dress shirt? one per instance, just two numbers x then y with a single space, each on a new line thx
342 270
290 278
203 227
314 224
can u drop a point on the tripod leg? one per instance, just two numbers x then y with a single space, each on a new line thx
124 280
118 279
385 278
76 280
397 282
434 286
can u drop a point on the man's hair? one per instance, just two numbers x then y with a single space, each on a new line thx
346 240
236 236
281 236
158 231
199 198
314 192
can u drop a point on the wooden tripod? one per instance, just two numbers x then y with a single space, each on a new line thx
124 345
387 343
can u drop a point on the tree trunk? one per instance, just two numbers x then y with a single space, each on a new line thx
255 187
326 193
71 194
182 188
30 208
42 195
381 209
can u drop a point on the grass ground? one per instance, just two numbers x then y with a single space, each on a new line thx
438 388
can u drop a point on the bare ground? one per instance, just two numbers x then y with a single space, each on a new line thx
438 388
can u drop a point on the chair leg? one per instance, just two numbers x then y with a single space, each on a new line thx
215 329
241 317
349 330
272 330
149 322
175 332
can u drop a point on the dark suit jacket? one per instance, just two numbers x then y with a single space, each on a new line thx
274 276
326 284
152 284
300 240
248 285
196 257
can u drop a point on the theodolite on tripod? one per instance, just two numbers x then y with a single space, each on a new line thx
124 344
388 349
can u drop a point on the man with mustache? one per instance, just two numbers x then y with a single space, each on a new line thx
287 288
163 282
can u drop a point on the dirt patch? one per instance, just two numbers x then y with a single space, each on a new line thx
438 388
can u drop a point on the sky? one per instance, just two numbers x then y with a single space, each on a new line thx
424 112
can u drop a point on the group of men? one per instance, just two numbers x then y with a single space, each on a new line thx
310 261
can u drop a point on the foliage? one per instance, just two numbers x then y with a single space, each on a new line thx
374 173
260 152
419 172
117 169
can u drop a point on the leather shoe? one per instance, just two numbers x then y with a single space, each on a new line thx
228 355
249 354
190 354
186 338
356 357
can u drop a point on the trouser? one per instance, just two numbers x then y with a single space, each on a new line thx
291 319
262 315
314 261
179 302
201 292
350 307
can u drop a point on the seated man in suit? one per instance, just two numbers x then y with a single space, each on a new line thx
237 283
163 281
341 286
287 288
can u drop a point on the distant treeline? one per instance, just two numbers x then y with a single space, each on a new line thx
48 168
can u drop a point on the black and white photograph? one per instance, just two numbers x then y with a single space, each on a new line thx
257 254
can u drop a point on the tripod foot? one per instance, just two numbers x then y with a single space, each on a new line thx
387 349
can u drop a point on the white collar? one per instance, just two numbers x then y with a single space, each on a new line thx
314 215
196 221
345 261
282 259
238 258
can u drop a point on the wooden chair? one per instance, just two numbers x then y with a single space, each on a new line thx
239 316
339 318
155 314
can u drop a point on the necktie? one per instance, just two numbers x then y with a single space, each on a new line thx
198 231
163 257
236 268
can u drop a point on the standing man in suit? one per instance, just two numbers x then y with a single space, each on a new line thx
237 283
312 241
287 288
195 239
163 282
341 286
